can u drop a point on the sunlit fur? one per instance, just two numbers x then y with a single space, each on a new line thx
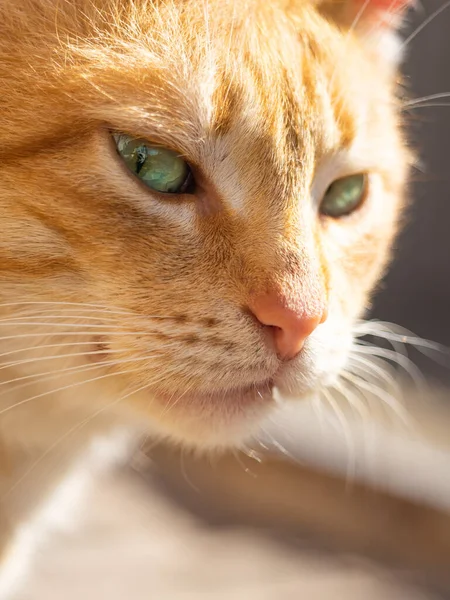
269 101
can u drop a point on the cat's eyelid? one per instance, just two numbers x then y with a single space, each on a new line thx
153 141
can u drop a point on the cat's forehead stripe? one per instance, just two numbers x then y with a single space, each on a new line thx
291 114
227 100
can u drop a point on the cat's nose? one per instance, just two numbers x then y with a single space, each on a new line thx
290 327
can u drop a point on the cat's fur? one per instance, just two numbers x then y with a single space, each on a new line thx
123 309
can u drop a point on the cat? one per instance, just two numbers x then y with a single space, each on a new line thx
197 200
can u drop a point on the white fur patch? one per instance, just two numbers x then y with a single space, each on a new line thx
388 45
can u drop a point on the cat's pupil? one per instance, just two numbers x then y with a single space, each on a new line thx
141 157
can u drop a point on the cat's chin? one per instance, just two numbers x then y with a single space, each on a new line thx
214 420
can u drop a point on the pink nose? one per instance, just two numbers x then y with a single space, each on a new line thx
289 326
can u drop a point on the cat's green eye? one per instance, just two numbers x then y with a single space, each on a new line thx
344 196
161 169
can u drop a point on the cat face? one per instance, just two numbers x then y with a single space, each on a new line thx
195 303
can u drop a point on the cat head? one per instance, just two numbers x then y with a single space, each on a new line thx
204 194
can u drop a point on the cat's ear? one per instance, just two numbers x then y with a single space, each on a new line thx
377 22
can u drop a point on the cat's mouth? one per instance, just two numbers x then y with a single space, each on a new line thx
238 398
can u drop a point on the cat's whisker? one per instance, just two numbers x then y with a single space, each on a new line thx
369 351
350 443
81 310
41 319
33 360
350 396
83 314
63 310
184 474
252 453
68 433
75 368
389 389
64 388
387 399
18 323
396 333
367 360
50 376
236 455
274 443
362 364
46 347
173 402
62 303
318 409
398 339
91 333
428 105
403 361
398 347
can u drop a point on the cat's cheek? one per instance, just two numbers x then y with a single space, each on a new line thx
357 249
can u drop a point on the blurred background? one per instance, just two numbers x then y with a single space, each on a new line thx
179 528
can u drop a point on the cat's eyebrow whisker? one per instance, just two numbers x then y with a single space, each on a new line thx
428 105
422 26
427 98
348 34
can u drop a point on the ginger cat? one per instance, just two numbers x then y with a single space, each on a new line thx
197 200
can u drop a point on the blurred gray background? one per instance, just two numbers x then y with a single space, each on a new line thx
416 291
